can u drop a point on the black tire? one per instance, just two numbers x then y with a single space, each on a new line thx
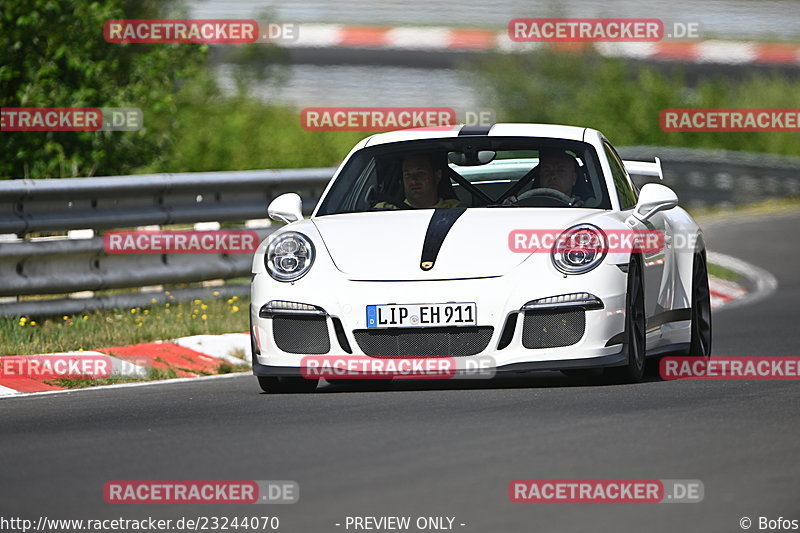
700 345
635 329
275 384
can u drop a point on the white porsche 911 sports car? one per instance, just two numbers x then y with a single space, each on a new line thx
507 243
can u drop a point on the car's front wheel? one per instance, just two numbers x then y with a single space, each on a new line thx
281 384
701 308
635 324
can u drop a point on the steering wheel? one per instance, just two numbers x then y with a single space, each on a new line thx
549 193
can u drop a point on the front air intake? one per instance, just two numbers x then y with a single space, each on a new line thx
301 334
553 329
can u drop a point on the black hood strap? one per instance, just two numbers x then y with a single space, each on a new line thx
438 228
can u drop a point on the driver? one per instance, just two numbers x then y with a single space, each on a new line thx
557 172
421 185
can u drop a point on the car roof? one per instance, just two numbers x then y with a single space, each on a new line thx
554 131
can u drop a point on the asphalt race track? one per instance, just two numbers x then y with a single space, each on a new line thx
448 449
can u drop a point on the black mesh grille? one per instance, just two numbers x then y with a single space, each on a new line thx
402 342
553 329
301 334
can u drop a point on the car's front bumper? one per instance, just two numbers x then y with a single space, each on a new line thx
344 303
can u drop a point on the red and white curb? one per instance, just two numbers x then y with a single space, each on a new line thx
188 357
199 355
723 291
728 294
463 39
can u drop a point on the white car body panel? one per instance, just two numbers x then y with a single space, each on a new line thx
475 247
374 258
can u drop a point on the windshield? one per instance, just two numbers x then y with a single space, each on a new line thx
469 172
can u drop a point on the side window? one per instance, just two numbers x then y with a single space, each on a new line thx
625 189
364 191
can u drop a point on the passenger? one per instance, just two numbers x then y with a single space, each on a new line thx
421 185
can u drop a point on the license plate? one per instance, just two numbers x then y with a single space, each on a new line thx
421 315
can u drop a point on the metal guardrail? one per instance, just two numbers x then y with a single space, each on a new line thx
719 177
72 265
28 206
58 265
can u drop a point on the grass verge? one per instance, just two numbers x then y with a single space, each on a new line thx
100 329
775 206
723 273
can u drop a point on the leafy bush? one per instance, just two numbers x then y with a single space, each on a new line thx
217 132
624 99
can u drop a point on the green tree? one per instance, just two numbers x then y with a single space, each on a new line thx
53 54
624 99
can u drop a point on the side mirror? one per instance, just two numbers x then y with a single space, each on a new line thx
286 208
653 198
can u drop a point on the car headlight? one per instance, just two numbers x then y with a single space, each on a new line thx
579 249
289 256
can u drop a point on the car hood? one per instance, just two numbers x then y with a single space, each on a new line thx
387 245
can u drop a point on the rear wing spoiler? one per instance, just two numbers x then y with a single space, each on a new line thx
644 168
